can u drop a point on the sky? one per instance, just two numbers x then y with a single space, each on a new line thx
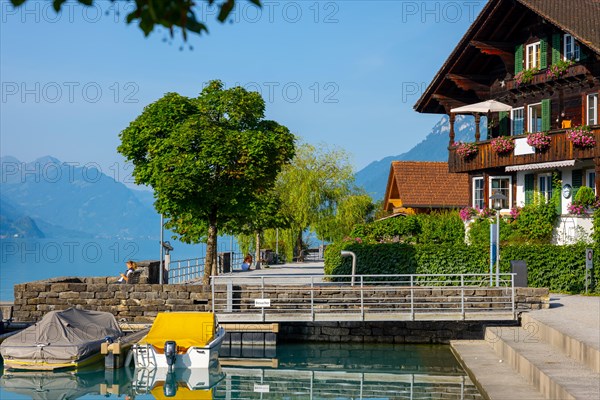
340 73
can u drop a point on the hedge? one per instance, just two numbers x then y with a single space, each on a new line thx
559 268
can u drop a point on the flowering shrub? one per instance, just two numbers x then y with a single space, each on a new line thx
577 208
539 140
503 144
487 212
557 70
468 213
466 150
526 75
581 136
514 212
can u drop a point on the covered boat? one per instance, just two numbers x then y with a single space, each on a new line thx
180 340
62 339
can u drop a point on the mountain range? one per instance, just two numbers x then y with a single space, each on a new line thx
53 199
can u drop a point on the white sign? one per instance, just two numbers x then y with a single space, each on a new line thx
262 303
589 258
522 148
261 388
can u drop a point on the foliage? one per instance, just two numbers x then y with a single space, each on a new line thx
502 144
466 149
559 268
581 136
539 140
557 70
172 14
317 191
596 229
441 227
208 159
526 76
585 196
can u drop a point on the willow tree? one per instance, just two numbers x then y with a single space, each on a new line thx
208 159
318 193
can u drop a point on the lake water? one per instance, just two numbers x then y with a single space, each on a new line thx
302 371
26 260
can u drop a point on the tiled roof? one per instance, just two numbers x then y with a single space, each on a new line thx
427 184
580 18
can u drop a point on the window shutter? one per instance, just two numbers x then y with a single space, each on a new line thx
576 181
518 59
555 48
545 115
543 53
503 120
529 181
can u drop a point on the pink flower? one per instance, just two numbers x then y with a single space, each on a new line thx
503 145
581 136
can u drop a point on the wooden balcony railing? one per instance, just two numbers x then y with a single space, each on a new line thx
560 149
574 72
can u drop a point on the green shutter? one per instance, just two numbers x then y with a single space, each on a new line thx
518 59
503 120
555 48
545 115
576 181
529 182
543 53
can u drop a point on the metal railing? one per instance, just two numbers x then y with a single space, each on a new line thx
277 298
183 271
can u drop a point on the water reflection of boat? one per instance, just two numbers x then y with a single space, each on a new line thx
63 385
180 340
62 339
181 383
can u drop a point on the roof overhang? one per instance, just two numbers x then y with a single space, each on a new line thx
539 166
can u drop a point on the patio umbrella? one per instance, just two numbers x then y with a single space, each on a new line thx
483 107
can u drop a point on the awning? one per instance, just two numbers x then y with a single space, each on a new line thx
546 165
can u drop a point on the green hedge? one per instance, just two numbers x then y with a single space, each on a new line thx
559 268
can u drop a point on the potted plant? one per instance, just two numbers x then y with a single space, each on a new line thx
581 136
503 145
526 76
584 200
539 140
466 150
557 70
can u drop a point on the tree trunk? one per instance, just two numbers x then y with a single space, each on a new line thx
299 246
211 246
257 252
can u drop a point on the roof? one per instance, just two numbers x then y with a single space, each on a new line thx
580 18
427 184
577 17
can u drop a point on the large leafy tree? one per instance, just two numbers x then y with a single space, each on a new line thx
209 159
172 14
318 194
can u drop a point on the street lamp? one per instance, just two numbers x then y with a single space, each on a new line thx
497 199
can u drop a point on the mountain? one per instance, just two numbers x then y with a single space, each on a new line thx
66 200
13 223
373 178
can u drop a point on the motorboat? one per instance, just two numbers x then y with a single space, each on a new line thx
61 339
180 340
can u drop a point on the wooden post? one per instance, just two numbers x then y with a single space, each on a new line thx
452 118
477 133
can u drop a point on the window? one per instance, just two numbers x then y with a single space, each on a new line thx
545 186
534 113
503 185
592 109
478 200
532 55
571 49
590 179
517 121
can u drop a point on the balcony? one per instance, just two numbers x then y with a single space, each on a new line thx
560 149
574 73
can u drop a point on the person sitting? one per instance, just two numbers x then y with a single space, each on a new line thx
247 263
131 266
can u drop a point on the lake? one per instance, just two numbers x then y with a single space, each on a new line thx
25 260
299 371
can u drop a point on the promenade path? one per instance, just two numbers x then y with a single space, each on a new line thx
292 273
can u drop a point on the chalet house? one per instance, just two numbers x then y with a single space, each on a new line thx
541 58
423 187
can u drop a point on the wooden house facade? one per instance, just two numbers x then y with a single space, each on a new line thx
541 58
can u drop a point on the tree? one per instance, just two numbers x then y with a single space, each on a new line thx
318 193
209 159
171 14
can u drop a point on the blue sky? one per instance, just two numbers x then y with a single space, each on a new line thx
345 73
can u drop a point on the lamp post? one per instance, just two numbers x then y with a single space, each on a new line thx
497 198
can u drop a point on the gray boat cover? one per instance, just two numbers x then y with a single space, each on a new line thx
62 337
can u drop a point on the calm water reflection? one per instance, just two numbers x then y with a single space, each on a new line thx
300 371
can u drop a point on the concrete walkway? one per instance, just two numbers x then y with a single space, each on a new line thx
554 354
291 274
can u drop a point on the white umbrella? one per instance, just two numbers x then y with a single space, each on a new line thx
483 107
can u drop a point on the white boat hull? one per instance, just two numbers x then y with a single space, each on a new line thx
145 356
